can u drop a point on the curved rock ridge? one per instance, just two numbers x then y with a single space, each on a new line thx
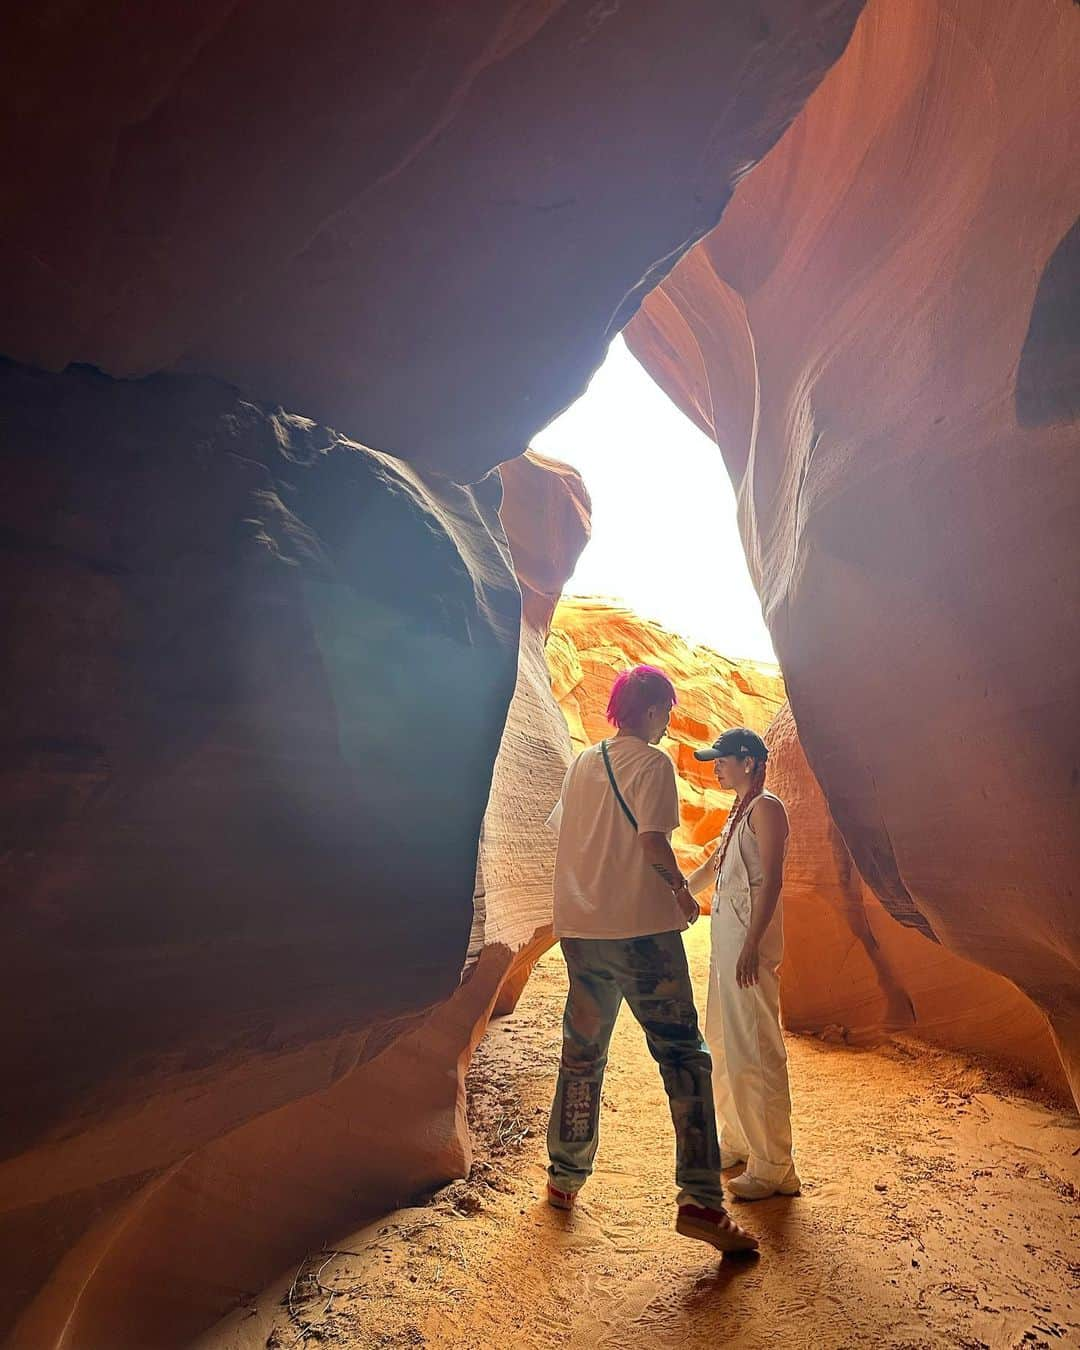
592 640
852 973
255 685
420 223
545 512
878 335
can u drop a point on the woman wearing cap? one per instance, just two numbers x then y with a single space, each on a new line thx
742 1022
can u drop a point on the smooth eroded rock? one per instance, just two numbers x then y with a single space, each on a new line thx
851 971
420 223
255 686
545 512
878 335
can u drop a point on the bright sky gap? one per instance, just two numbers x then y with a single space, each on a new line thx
665 540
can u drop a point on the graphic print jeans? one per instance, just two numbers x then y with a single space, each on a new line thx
652 975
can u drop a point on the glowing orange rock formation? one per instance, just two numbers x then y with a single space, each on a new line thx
591 641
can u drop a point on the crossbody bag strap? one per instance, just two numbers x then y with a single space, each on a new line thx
615 787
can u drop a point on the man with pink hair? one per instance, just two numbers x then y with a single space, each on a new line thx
620 907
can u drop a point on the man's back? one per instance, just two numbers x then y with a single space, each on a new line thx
604 888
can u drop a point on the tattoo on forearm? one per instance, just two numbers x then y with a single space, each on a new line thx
673 879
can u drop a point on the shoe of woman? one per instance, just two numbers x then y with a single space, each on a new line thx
747 1187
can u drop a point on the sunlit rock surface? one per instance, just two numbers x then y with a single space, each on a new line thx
881 334
545 512
592 641
852 973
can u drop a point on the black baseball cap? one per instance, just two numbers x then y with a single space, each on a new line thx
740 742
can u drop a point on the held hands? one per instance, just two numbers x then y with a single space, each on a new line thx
746 967
690 908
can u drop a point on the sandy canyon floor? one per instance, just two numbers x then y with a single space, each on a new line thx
941 1207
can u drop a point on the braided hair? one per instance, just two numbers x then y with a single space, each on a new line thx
741 807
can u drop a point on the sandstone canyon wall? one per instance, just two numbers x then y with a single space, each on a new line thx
881 334
591 641
232 632
217 763
262 1070
852 973
233 880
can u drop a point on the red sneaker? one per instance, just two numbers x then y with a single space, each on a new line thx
716 1227
560 1199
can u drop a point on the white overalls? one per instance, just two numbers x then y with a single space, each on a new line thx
742 1026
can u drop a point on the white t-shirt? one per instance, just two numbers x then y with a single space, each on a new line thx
604 888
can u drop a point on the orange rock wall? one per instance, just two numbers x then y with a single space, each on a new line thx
881 335
852 972
232 882
591 641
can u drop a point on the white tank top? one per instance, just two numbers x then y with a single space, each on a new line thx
742 872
